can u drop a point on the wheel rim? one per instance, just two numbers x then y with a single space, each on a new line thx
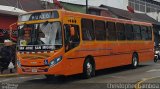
135 62
89 68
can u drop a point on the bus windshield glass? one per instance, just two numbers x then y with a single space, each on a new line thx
40 34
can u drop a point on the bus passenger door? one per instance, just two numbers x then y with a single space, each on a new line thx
72 40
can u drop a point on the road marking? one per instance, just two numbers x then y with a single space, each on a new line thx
137 85
153 70
5 80
117 76
38 78
12 78
23 77
157 64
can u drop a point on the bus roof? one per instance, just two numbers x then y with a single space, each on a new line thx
90 16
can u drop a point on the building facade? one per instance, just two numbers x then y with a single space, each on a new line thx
145 6
8 16
149 7
9 11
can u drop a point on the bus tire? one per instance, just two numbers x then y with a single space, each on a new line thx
135 61
88 69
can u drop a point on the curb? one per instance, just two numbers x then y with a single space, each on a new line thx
15 75
9 75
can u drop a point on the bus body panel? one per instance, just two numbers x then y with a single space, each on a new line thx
106 54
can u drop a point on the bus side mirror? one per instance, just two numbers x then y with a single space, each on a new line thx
72 31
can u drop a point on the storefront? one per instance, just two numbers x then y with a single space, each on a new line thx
5 22
8 16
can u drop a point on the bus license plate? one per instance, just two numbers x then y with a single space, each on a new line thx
34 70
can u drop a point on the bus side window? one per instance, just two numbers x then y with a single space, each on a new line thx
144 33
76 38
137 32
120 31
129 32
71 41
100 30
87 29
149 33
67 34
112 31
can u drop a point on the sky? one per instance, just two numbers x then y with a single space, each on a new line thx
88 0
83 2
157 0
91 2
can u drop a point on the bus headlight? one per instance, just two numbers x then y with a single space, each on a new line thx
55 61
18 63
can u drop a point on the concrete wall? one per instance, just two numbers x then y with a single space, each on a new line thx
121 4
113 3
154 15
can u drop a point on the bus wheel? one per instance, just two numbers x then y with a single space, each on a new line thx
88 69
135 61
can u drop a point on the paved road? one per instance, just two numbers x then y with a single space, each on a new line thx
103 79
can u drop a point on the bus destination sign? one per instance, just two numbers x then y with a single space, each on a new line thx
36 48
39 16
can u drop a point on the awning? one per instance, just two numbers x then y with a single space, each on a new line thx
8 16
10 10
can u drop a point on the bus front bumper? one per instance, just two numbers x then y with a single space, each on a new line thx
55 70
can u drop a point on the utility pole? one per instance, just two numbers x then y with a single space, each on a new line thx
158 15
86 6
46 4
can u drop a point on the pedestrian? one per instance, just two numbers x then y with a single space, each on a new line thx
6 56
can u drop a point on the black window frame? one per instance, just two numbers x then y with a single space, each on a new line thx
144 33
120 31
137 34
112 34
129 32
89 30
71 41
150 32
100 30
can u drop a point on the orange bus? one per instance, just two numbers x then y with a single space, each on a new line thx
59 42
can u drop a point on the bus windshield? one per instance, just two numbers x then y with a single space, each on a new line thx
40 34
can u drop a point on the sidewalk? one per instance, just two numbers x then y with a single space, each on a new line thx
6 73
